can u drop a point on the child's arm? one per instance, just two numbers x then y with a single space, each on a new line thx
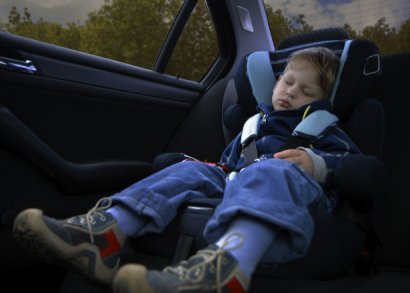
231 154
323 158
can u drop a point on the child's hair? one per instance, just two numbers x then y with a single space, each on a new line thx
325 62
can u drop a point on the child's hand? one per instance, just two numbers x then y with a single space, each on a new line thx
299 157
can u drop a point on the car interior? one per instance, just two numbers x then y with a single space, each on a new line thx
75 127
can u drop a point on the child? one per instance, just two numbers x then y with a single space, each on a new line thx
263 216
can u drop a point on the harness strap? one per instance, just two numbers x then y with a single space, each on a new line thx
315 124
250 152
248 139
309 129
250 129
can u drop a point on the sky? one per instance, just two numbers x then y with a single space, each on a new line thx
61 11
358 13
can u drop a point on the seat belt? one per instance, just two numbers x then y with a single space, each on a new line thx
305 132
248 139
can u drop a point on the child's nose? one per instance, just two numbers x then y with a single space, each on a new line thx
291 92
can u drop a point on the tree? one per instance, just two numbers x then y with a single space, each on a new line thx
197 47
403 38
130 31
384 36
280 26
42 30
350 31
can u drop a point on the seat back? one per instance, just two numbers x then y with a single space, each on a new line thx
393 217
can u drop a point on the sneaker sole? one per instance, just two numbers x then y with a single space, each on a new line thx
33 234
131 278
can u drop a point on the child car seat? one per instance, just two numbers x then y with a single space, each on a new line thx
337 242
363 120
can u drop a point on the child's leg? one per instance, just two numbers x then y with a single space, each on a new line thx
248 239
91 243
274 196
226 266
159 196
129 222
278 193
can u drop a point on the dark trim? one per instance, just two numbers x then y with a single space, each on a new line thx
225 35
174 35
74 88
24 47
70 177
226 41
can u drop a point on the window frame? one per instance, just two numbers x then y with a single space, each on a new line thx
224 35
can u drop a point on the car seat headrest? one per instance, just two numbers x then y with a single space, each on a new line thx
257 74
261 76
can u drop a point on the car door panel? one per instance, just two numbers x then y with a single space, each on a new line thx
86 117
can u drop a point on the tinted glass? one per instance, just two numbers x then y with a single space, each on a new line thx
386 22
197 48
130 31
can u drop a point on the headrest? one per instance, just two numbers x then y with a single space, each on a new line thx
256 76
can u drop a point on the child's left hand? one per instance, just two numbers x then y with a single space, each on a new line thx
299 157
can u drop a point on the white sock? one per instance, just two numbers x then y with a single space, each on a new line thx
129 223
256 237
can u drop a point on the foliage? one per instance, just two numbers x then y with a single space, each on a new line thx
387 39
133 31
282 27
197 47
130 31
51 32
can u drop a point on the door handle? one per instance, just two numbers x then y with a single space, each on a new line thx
25 66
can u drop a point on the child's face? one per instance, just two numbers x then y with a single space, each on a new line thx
298 86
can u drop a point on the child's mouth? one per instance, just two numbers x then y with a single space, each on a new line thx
284 104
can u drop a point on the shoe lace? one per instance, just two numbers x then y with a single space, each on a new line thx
101 205
207 256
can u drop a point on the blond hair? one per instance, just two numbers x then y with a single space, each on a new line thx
325 62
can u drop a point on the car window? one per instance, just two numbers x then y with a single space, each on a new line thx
130 31
197 47
387 23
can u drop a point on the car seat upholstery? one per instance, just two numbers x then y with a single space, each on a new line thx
393 258
337 242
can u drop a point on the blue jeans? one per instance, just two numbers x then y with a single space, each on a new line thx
272 190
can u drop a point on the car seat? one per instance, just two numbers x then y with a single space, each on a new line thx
337 242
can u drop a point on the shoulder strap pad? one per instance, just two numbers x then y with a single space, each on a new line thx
261 77
250 129
315 124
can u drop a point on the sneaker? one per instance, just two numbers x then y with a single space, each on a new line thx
213 269
89 244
